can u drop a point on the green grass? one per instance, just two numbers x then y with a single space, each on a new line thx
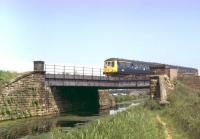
182 114
176 130
184 110
6 76
135 123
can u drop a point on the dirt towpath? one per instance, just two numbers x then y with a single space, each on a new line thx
168 132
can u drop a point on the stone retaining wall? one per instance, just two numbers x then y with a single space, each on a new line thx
27 96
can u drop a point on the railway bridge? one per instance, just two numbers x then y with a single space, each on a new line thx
52 89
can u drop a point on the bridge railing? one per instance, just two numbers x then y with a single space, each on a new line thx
73 70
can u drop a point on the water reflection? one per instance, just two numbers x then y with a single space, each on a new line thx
121 107
38 125
13 130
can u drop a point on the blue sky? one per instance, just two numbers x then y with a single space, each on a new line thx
86 32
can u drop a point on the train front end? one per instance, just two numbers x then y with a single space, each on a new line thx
110 67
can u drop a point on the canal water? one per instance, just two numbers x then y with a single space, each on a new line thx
37 127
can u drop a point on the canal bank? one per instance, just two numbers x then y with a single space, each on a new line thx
134 123
41 127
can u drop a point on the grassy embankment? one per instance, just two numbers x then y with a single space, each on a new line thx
184 111
6 76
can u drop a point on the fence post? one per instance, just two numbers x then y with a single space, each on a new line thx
64 72
54 71
74 72
45 67
83 72
100 74
92 73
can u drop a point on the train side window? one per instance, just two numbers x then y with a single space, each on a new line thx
128 65
124 65
132 66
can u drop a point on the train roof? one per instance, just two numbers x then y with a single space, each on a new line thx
151 63
128 60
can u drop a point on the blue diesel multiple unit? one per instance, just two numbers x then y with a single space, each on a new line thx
117 66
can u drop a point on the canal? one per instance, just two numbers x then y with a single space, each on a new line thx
40 127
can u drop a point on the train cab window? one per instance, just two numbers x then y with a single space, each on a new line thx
110 64
113 64
106 64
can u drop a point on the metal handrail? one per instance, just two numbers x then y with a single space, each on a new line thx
82 73
73 70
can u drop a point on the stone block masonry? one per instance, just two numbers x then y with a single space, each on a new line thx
104 101
27 96
159 87
192 82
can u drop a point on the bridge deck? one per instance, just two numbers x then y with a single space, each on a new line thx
94 81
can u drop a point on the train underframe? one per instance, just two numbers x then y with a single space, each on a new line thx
136 76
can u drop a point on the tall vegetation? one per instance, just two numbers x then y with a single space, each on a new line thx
184 108
135 123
